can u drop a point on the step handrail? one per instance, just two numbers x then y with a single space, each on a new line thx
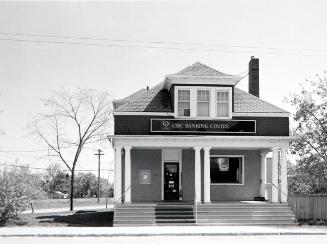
278 188
196 209
124 193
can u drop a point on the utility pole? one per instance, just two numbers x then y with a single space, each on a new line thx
99 154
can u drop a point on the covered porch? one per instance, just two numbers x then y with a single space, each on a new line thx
139 158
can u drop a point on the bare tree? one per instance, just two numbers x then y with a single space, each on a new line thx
72 120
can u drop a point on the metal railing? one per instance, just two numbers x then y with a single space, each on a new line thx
196 209
278 188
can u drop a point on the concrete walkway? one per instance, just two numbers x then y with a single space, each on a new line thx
159 231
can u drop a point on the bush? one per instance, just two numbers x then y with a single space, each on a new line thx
18 187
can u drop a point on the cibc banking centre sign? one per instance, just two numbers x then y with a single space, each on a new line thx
203 126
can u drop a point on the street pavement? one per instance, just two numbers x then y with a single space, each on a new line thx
283 239
161 231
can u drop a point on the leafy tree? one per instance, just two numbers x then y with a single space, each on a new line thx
55 180
308 176
18 187
72 120
86 185
310 133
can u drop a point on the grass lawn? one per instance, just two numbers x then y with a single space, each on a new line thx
98 218
64 203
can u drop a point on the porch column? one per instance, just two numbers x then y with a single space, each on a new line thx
263 174
274 176
197 173
206 175
128 190
118 178
283 174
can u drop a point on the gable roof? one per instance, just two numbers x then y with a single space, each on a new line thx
199 69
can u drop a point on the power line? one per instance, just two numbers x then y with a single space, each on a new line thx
46 150
160 42
156 47
77 170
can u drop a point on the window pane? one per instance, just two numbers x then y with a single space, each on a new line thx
203 95
226 169
203 109
203 101
184 95
222 110
222 96
183 103
222 104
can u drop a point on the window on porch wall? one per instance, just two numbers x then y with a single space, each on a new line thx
226 170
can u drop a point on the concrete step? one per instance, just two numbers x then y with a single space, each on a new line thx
175 217
236 218
180 221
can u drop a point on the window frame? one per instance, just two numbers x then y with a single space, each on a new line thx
177 101
209 102
212 104
216 104
243 167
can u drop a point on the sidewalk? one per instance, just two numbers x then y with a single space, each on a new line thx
159 231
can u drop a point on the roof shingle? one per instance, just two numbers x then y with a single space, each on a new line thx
199 69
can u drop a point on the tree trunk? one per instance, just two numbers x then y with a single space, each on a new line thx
72 191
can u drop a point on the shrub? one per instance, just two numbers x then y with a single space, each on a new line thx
18 187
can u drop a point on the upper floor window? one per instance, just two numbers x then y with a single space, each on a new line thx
222 103
203 103
184 106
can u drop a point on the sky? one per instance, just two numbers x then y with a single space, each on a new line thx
124 46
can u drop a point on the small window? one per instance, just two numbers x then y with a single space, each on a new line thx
222 104
145 177
203 103
226 170
184 103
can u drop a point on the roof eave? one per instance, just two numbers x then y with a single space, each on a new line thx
205 80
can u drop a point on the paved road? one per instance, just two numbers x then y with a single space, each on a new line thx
296 239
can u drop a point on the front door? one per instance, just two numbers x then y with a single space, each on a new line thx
171 181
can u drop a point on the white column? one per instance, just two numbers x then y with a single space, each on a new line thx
197 173
206 175
283 169
118 178
128 190
263 174
274 176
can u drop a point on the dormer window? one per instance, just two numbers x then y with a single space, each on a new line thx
222 103
203 103
184 106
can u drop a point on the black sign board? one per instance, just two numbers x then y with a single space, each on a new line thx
202 126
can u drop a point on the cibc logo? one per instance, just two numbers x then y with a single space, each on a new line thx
165 125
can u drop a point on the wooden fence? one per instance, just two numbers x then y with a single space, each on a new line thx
309 206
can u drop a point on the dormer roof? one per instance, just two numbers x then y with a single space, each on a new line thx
202 74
